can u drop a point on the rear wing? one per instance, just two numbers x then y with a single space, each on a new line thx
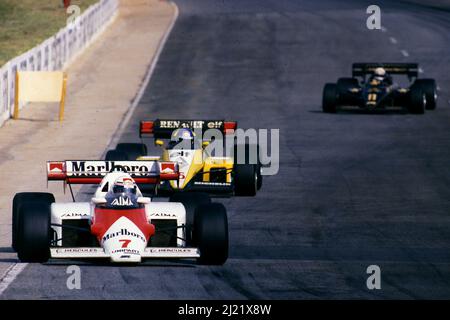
92 172
163 128
363 69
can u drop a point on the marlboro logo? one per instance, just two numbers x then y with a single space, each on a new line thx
124 232
99 168
167 168
56 167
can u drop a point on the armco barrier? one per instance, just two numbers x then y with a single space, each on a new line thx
56 52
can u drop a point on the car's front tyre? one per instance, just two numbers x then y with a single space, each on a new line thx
330 98
34 232
18 200
429 88
247 177
245 180
211 233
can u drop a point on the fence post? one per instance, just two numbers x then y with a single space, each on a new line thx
2 92
16 97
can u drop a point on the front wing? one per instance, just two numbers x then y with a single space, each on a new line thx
149 252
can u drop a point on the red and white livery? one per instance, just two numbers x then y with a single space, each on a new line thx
118 222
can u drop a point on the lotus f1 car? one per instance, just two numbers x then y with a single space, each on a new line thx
372 88
199 171
118 223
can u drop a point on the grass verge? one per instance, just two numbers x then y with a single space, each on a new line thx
26 23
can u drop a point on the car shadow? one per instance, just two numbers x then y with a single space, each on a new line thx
9 260
6 250
106 263
386 112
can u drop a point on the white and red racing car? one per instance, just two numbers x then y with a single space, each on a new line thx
118 223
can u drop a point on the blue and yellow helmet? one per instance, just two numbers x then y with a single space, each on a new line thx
182 134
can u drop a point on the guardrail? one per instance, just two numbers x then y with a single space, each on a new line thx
56 52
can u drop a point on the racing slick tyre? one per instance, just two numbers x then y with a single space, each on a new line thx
330 98
114 155
430 89
34 232
259 177
211 233
18 200
132 150
417 100
245 180
249 160
190 201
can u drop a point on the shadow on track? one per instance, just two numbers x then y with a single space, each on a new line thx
388 112
105 263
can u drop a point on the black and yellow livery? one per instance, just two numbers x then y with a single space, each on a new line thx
369 92
199 170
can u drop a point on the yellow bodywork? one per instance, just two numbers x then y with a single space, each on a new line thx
214 163
199 163
196 166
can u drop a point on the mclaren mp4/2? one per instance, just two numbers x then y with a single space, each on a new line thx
118 223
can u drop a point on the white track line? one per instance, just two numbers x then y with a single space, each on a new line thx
116 136
393 40
405 53
383 29
10 275
14 270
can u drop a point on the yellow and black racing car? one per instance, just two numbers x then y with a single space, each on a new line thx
237 172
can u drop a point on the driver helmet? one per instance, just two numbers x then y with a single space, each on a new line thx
183 138
123 193
379 73
124 185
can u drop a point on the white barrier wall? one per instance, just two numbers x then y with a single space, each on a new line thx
56 52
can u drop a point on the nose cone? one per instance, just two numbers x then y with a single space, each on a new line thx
124 241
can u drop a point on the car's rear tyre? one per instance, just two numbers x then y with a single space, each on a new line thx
114 155
211 233
132 150
330 98
417 100
190 201
34 232
18 200
429 88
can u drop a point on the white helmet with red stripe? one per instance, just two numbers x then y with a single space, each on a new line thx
124 184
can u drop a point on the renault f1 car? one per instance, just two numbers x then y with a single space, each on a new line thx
118 223
372 88
199 171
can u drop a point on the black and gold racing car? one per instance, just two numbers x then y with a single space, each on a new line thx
372 87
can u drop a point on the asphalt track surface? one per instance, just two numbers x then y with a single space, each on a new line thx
353 189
